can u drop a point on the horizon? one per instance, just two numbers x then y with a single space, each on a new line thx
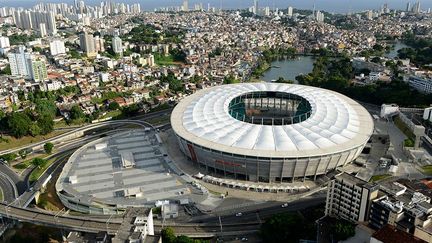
332 6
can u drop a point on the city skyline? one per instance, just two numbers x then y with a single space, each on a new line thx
338 6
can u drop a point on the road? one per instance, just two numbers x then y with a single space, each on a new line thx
259 212
7 188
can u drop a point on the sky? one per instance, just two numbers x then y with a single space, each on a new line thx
336 6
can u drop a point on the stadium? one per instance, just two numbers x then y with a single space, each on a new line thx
270 132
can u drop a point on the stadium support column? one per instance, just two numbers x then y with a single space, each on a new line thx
294 170
307 165
316 169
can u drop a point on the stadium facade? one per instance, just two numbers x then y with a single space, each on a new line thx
270 132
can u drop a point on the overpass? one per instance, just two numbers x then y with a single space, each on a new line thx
80 131
88 223
75 223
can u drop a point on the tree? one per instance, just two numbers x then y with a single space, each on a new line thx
113 106
230 80
38 162
19 124
23 153
46 124
34 130
46 107
342 230
48 147
76 113
282 80
6 70
168 235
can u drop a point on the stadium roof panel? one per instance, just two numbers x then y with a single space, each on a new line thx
336 123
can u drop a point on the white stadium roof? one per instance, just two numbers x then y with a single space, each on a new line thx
337 123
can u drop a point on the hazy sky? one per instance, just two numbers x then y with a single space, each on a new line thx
340 6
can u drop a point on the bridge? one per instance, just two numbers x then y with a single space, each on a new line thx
80 131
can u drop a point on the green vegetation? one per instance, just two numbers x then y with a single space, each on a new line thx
175 84
41 166
379 177
21 39
230 80
291 227
8 142
168 236
404 128
163 60
48 147
33 233
282 80
149 34
409 143
421 51
335 74
268 56
74 54
342 230
6 70
427 170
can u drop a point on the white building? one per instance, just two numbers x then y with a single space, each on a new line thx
87 44
57 47
423 85
19 63
388 110
185 6
117 45
4 42
349 197
290 11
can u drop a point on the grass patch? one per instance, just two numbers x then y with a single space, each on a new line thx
159 120
427 170
37 172
1 195
163 60
8 142
23 165
379 177
404 128
113 114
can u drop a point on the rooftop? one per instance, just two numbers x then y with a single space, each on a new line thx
99 174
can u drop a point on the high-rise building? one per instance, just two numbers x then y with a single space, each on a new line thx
255 7
369 15
42 30
4 42
185 5
408 7
19 64
290 11
99 44
57 47
87 44
417 8
38 70
349 197
117 45
267 11
320 17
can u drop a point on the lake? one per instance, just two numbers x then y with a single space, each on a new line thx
289 68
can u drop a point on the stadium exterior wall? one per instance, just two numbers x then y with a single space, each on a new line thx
265 169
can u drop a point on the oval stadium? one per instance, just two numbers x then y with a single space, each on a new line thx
270 132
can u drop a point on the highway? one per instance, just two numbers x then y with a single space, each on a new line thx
138 120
